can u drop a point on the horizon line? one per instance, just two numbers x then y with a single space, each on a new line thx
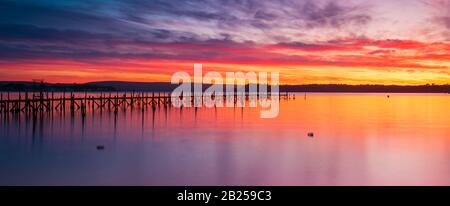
168 82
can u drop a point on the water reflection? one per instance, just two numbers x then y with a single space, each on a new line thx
360 139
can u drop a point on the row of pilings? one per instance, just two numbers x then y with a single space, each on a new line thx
49 101
34 102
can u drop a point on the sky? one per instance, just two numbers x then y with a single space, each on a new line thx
404 42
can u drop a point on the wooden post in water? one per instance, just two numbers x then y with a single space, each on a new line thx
17 110
47 102
143 99
115 104
52 101
169 100
159 98
101 102
138 100
32 103
61 103
63 106
131 100
72 102
7 104
119 99
25 107
1 100
153 101
164 101
109 101
146 100
93 103
124 100
41 101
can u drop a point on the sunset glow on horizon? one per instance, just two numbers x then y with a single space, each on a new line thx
405 42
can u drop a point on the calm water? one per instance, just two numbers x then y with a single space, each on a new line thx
360 139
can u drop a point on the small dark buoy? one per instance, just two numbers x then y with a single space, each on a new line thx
100 147
310 134
388 96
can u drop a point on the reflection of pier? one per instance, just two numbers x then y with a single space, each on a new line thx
44 101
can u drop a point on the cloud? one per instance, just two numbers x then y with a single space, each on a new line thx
444 20
332 14
27 42
246 17
440 15
243 20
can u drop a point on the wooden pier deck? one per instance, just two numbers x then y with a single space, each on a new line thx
48 101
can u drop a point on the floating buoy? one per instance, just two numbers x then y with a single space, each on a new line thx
310 134
100 147
388 96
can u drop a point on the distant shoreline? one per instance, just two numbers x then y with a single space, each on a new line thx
114 86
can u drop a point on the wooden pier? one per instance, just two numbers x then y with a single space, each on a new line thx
48 101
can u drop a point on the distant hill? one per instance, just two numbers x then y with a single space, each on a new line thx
167 87
38 86
135 86
366 88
